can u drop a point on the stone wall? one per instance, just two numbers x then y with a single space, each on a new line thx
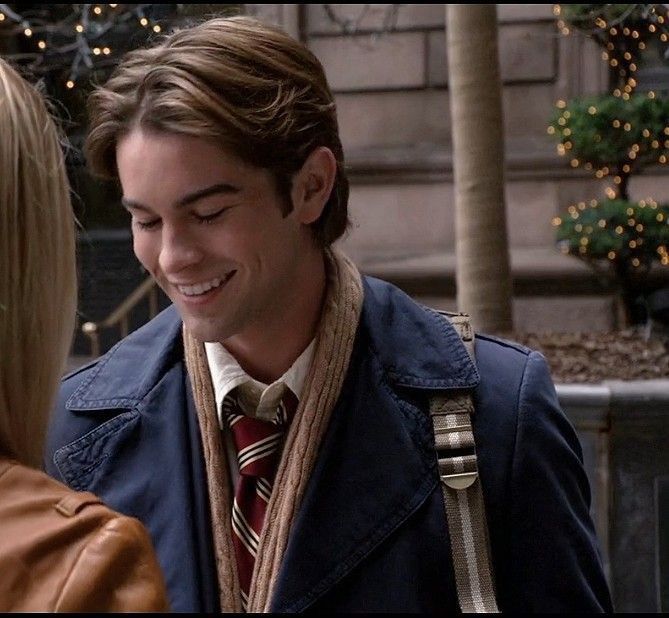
622 427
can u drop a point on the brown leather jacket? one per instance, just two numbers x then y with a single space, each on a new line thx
65 551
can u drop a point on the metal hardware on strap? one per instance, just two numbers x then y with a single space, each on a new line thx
459 481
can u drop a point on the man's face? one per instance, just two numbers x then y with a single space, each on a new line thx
209 228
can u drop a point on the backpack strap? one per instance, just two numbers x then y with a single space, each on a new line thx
463 497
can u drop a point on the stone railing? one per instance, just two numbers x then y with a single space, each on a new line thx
624 430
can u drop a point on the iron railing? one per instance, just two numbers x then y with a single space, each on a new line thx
120 316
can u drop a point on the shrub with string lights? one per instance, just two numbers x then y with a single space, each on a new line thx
614 137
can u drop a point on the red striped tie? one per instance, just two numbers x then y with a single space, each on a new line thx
258 445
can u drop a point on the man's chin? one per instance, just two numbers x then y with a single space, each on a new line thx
204 331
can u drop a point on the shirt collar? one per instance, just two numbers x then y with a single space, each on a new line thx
256 398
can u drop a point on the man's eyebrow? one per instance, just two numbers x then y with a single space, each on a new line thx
220 187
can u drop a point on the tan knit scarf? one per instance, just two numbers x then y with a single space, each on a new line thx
336 332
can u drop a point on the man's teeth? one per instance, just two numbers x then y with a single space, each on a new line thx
199 288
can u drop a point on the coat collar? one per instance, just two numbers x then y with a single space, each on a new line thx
416 345
128 372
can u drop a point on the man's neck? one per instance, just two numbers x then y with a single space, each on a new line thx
267 353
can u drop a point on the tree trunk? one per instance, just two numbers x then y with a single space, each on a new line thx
483 275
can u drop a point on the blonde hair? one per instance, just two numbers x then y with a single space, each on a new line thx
246 85
37 267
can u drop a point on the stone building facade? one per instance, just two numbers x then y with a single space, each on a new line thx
387 67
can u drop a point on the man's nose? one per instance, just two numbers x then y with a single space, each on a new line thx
179 250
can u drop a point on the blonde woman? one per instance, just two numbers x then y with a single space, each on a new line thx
60 550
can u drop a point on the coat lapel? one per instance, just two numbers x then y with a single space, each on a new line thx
377 464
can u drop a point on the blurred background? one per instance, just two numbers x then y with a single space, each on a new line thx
573 98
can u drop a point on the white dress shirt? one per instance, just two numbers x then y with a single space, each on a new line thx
256 399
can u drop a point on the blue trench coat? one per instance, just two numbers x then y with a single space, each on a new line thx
371 533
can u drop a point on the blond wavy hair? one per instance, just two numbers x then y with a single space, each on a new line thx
247 86
37 267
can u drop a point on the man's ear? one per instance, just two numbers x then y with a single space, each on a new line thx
312 185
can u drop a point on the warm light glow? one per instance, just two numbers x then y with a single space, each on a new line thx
599 174
79 28
106 51
616 92
616 123
69 84
642 45
626 168
639 227
97 51
625 96
662 159
611 194
635 34
655 144
651 94
601 223
560 103
619 229
626 31
556 221
2 17
550 130
627 126
652 28
632 67
627 56
144 21
41 44
635 262
614 62
617 179
156 28
605 56
578 227
611 255
659 217
97 10
645 133
566 132
28 32
584 240
630 212
592 110
613 32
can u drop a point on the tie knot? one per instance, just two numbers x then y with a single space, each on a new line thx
258 442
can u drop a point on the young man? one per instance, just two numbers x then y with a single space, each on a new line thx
272 429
